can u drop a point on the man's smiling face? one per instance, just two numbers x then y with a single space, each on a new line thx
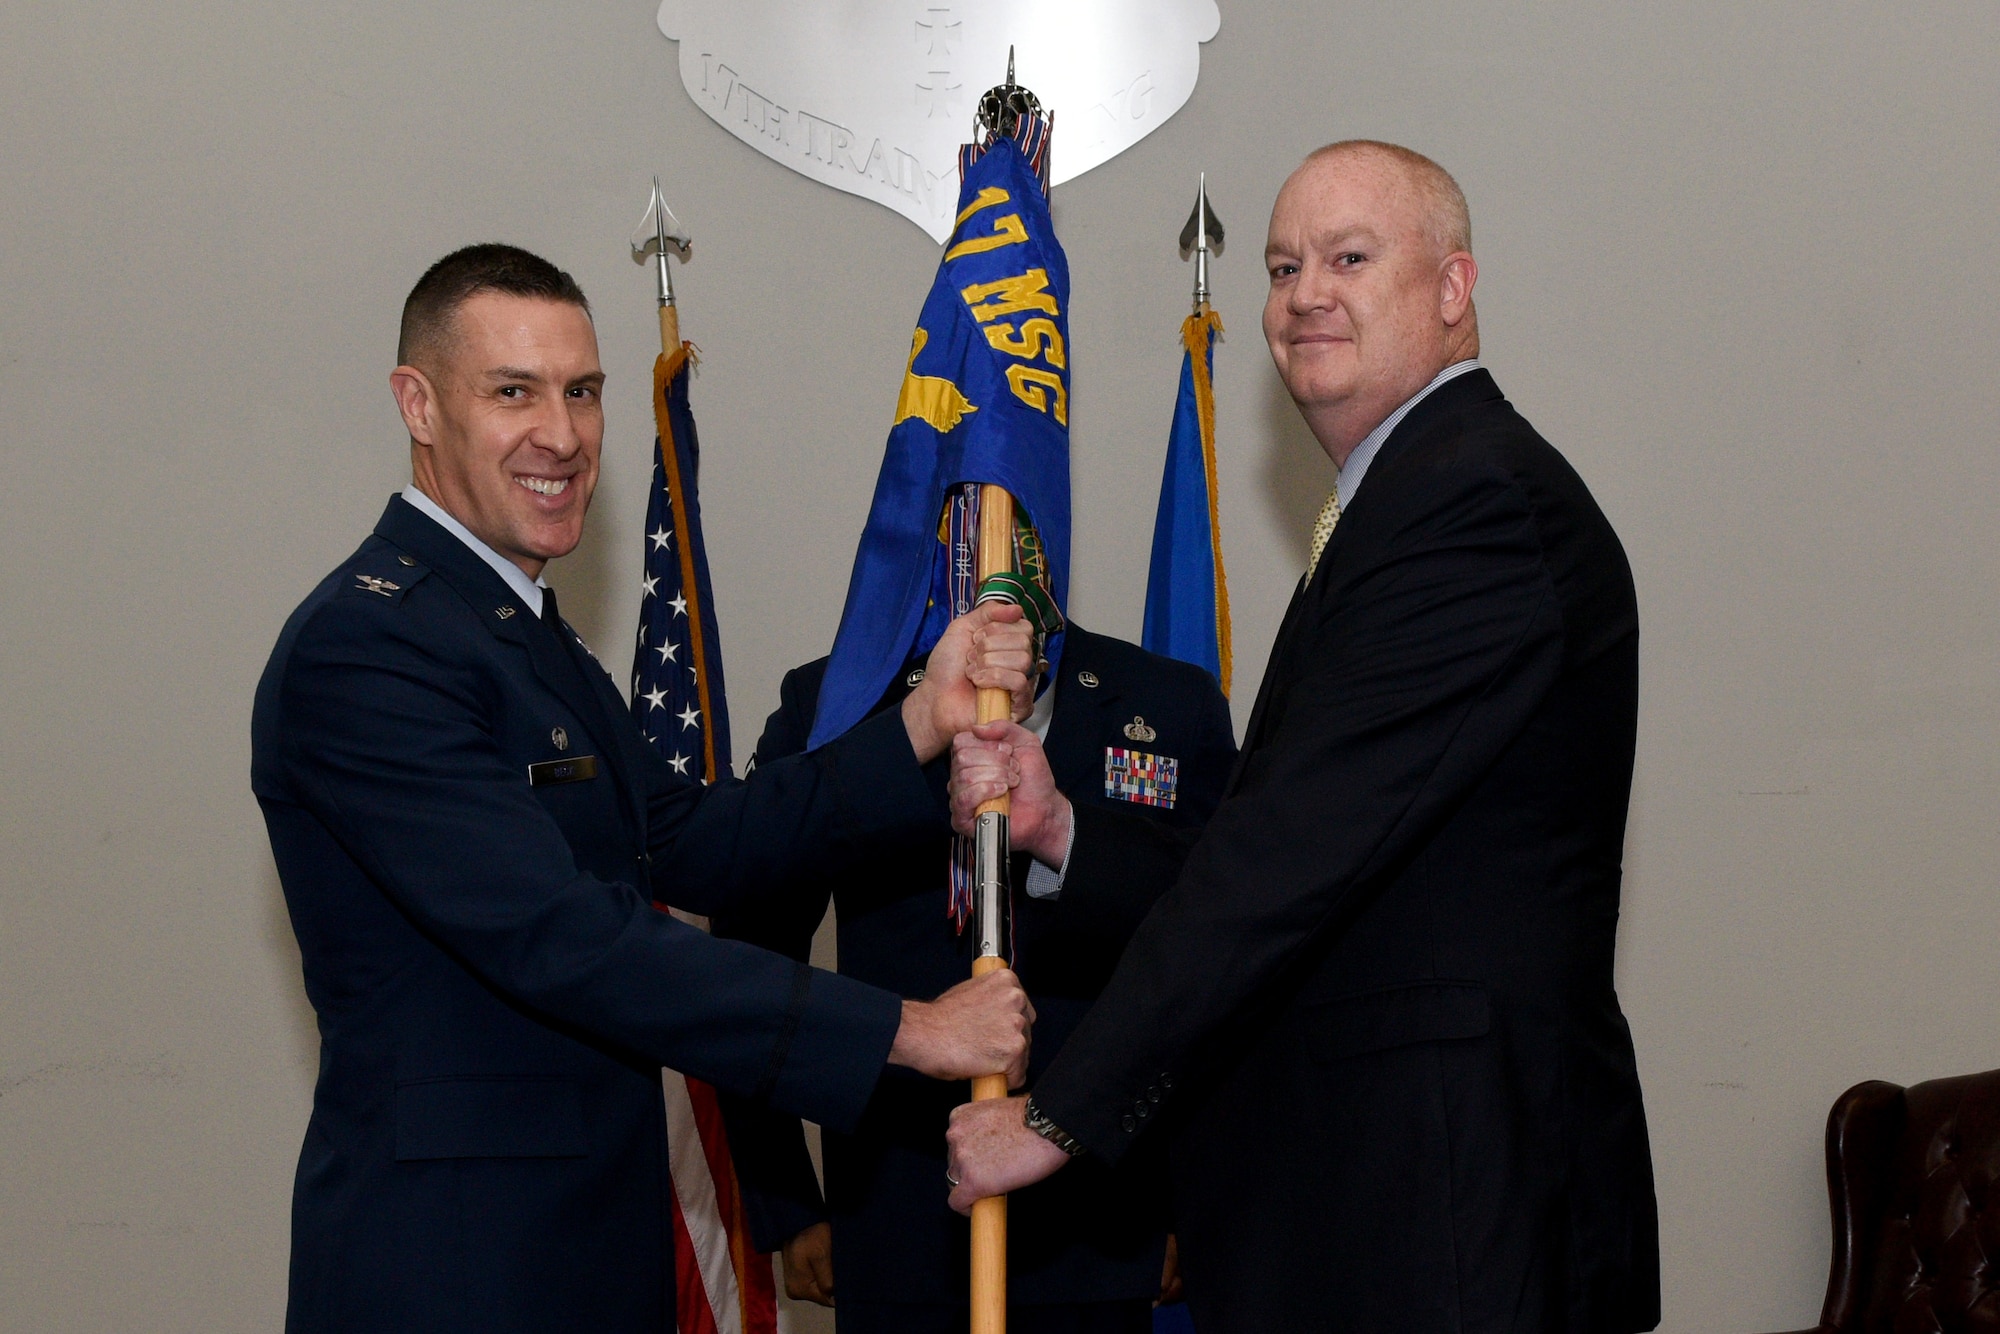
506 425
1363 303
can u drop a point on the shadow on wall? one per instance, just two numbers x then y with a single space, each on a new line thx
1295 472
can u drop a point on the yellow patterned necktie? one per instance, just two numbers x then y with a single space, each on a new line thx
1329 515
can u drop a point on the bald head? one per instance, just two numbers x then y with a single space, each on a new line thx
1446 219
1371 285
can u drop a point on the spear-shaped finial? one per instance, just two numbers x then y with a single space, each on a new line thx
658 235
1201 237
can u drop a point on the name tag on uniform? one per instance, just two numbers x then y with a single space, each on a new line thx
1133 775
551 772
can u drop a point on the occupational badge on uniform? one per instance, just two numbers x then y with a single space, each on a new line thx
1136 730
1087 679
504 612
915 678
559 738
370 584
1134 775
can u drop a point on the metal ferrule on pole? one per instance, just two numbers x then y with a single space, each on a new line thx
990 897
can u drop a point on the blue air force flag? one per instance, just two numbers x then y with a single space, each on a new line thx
1187 595
985 398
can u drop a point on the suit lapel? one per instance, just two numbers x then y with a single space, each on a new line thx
1337 565
561 668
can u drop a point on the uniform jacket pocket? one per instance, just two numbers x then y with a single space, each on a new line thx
490 1116
1395 1016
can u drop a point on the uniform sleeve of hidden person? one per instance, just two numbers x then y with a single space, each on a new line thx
442 823
1424 666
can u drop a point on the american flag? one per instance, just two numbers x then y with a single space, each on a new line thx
677 693
722 1286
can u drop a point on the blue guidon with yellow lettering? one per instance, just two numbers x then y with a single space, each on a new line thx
984 398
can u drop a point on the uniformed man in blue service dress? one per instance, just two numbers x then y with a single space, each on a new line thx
473 839
1124 728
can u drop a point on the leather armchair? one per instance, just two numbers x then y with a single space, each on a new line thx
1913 1179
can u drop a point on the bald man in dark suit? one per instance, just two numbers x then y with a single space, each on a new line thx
1374 1013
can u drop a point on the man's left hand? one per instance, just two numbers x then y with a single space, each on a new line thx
989 1150
990 647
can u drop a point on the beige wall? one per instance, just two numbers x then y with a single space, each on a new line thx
1737 263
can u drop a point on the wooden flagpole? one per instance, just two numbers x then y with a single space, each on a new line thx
989 1216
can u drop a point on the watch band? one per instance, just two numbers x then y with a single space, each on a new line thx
1039 1122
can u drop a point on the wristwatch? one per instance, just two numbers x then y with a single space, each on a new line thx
1039 1122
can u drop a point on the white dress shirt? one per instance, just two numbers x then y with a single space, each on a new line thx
528 590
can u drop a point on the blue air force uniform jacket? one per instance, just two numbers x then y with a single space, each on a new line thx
1090 1234
472 838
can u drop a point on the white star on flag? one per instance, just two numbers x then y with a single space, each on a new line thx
667 649
688 717
661 536
680 763
651 584
680 606
656 697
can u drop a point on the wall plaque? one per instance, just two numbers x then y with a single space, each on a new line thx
874 96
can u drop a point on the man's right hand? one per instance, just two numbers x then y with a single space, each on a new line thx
809 1265
979 1027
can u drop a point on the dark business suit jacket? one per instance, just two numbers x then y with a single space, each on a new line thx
495 989
1091 1234
1376 1009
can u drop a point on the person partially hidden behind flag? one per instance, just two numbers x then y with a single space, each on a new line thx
1124 728
473 838
984 399
1374 1013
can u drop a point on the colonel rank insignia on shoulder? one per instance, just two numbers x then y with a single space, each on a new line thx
1133 775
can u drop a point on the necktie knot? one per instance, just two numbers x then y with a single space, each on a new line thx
1323 526
550 616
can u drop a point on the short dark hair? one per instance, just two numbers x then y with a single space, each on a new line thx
463 274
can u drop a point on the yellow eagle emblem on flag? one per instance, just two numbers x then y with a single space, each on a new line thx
932 398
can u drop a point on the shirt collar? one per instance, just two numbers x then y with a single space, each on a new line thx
529 591
1356 467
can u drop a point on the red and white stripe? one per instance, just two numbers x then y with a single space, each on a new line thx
722 1286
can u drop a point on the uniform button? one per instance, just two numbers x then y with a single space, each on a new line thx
1143 1109
1127 1124
1166 1081
1153 1094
